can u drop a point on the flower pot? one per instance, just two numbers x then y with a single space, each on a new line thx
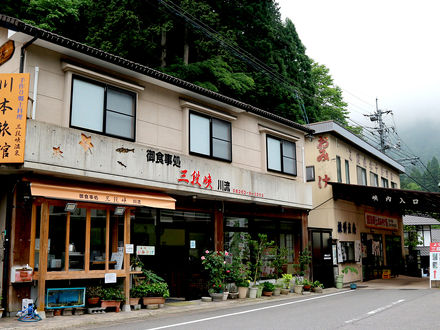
259 292
353 286
153 300
285 291
242 292
253 292
267 293
138 269
57 312
339 281
307 287
317 289
216 296
134 301
225 295
298 289
93 300
277 291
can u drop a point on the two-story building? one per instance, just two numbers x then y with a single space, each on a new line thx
351 223
115 159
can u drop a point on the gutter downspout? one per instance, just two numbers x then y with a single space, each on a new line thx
23 48
34 102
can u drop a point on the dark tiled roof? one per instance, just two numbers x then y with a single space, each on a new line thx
414 220
20 26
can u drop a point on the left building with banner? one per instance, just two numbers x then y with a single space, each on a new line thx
120 159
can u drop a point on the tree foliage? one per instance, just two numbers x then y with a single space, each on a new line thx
203 42
428 180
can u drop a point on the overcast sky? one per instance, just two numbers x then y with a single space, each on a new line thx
387 49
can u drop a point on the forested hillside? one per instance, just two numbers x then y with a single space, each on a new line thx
238 48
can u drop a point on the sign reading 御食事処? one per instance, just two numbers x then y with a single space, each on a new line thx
14 92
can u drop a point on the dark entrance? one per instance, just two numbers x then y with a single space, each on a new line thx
322 257
180 239
393 246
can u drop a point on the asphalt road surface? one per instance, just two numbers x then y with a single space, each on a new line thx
356 309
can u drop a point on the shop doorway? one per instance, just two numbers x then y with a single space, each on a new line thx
394 254
322 261
180 239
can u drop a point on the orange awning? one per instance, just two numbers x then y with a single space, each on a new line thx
96 195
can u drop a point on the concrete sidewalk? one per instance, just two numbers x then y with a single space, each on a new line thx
89 320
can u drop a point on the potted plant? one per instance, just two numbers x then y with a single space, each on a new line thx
93 294
135 295
215 264
307 285
279 261
346 270
153 293
317 287
112 297
287 279
268 288
298 285
136 263
243 287
277 289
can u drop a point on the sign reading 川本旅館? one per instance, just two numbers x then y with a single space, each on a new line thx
14 92
381 222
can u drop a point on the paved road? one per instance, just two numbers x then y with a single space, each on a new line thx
358 309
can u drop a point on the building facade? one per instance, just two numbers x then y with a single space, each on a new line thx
119 159
344 232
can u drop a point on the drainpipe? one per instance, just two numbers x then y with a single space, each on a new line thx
23 48
304 165
34 103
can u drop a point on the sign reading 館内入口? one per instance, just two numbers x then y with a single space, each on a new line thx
378 221
14 91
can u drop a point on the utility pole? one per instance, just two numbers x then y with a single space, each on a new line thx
377 116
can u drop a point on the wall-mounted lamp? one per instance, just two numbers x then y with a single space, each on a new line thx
70 207
119 210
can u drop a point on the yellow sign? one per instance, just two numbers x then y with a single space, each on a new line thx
14 92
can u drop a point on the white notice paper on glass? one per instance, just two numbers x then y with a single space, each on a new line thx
129 248
110 278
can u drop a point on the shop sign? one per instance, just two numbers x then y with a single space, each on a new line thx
322 145
142 250
434 262
6 51
14 92
110 278
381 222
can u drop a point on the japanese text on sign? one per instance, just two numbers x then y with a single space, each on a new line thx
14 91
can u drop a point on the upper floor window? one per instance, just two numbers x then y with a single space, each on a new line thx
393 185
384 182
310 173
102 108
210 137
281 155
374 181
361 176
347 172
338 168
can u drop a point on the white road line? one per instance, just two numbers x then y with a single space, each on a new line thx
377 310
247 311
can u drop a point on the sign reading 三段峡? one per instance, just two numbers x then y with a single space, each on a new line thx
14 92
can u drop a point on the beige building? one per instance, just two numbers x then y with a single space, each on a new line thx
120 159
350 223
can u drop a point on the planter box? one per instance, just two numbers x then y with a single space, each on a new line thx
111 303
134 301
285 291
153 300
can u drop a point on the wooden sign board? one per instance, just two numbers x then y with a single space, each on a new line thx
14 92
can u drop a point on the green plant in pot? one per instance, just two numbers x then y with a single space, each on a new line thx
136 263
152 293
317 286
268 288
307 285
93 294
113 294
287 279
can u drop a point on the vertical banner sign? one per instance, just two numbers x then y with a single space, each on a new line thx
14 92
434 262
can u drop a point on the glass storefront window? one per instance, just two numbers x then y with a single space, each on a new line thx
116 242
232 222
37 238
57 238
98 222
77 236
